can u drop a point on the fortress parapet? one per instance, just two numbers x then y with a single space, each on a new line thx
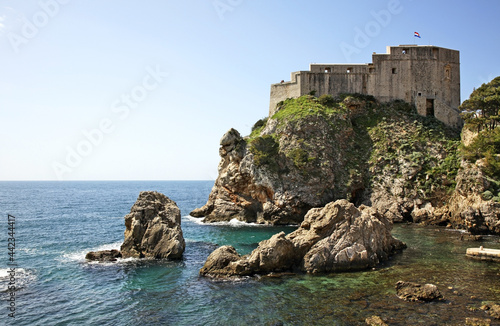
426 76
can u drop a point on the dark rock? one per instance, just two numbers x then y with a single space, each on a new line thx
153 228
470 237
410 291
104 255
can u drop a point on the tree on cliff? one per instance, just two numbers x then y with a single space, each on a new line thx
482 109
482 114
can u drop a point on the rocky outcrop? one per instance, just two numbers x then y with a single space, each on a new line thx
312 152
468 208
104 255
375 321
492 309
153 228
410 291
338 237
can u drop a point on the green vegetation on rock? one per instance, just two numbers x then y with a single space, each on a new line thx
265 150
482 117
365 145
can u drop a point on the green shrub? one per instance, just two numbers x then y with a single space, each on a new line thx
487 195
485 146
299 156
327 100
265 150
257 127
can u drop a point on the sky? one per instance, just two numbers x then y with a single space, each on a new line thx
144 90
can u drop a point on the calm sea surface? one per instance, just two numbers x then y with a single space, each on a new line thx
57 223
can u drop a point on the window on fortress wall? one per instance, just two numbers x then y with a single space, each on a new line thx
429 107
404 51
447 72
328 70
349 70
394 70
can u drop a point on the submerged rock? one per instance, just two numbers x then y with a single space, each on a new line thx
104 255
153 228
375 321
410 291
338 237
469 321
492 309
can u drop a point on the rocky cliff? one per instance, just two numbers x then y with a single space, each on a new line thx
153 228
317 150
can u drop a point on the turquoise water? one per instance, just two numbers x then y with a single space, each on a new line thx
58 222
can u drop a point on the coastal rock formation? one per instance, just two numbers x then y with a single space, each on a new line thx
316 150
375 321
153 228
338 237
492 309
104 255
410 291
468 208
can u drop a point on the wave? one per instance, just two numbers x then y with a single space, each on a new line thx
22 278
234 222
79 256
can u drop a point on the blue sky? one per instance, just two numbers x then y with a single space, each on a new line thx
143 90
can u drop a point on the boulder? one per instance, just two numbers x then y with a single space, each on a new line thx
375 321
153 228
104 255
338 237
492 309
410 291
470 321
218 260
357 239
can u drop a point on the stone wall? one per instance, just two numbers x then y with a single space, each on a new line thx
416 74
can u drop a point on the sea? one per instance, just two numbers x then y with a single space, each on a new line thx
54 224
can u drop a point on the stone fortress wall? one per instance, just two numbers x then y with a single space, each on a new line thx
426 76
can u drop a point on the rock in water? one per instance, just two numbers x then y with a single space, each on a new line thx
375 321
410 291
153 228
338 237
104 255
492 309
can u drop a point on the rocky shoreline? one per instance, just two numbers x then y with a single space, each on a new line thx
338 237
386 156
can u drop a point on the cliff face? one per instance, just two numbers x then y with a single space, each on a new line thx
317 150
297 160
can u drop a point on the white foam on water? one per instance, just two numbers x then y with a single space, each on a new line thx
79 256
21 276
234 222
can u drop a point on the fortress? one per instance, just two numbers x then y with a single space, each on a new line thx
426 76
